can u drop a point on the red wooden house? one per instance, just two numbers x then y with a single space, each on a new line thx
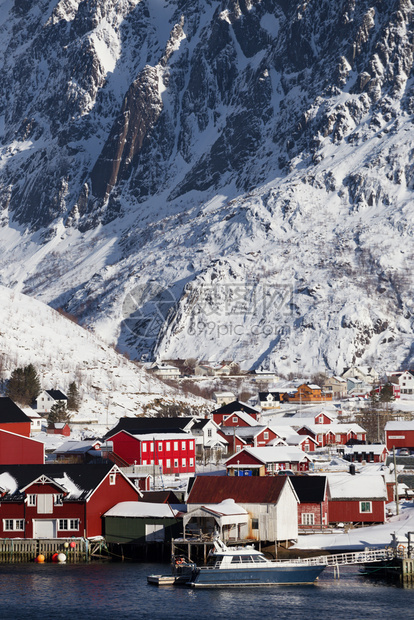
333 434
312 492
58 428
58 501
224 412
356 498
240 437
20 450
267 461
399 434
12 418
171 453
239 418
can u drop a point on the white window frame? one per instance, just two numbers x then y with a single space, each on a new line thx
175 445
13 525
168 463
144 446
266 435
32 499
68 525
183 463
160 446
183 445
175 463
308 518
168 446
58 499
112 479
361 507
191 462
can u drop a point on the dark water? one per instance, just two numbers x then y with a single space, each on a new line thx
104 591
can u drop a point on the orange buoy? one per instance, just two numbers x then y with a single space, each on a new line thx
40 558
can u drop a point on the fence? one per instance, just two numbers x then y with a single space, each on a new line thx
21 550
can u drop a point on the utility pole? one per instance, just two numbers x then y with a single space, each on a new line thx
397 503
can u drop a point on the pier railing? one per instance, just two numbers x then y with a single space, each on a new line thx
342 559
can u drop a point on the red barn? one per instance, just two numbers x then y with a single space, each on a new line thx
173 453
399 434
356 498
12 418
20 450
57 501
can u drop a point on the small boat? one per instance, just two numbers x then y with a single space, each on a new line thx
182 572
245 566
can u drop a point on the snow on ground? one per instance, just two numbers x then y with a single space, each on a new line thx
111 386
359 538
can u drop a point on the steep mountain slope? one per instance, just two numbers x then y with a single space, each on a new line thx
221 179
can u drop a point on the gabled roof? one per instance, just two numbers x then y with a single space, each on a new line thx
56 394
144 426
160 497
79 480
273 454
345 486
309 489
235 406
245 417
243 489
77 447
10 413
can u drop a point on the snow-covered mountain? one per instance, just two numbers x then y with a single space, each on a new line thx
110 385
225 179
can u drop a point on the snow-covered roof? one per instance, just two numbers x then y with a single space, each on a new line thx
334 428
374 448
77 446
347 486
141 510
275 454
246 417
403 425
226 508
161 436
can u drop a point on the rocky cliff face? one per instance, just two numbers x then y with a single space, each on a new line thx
169 166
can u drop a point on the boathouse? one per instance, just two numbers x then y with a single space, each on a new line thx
271 503
141 522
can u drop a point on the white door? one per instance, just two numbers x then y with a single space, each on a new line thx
44 528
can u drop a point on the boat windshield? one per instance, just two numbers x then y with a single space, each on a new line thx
214 559
243 559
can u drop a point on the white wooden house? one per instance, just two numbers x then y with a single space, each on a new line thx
271 503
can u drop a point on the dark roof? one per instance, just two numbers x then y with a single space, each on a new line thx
86 477
235 406
57 395
243 489
160 497
200 424
10 412
137 426
309 489
264 395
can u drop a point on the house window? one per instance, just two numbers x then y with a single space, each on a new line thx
183 463
235 419
58 500
31 500
168 446
168 463
255 524
176 445
238 448
209 432
183 445
112 479
144 462
159 446
269 467
191 445
308 518
175 463
338 438
144 447
68 525
152 446
365 506
13 525
191 462
266 435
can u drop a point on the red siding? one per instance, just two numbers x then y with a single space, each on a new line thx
349 512
20 450
320 512
20 428
105 497
399 439
180 452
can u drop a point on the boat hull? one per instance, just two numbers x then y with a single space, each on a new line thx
269 576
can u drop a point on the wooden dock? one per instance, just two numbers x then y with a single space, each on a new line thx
13 550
